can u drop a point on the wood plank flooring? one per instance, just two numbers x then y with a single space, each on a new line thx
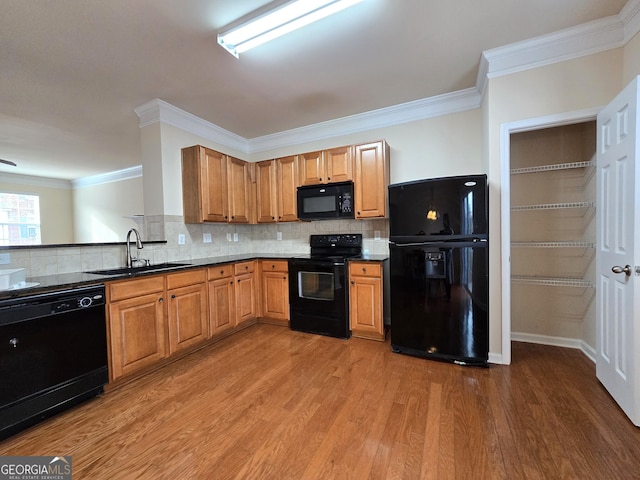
269 403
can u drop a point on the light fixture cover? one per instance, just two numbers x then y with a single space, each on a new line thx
284 18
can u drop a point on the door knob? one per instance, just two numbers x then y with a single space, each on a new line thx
626 270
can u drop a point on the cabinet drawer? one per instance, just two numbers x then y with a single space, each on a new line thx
275 266
135 288
220 271
365 269
244 267
182 279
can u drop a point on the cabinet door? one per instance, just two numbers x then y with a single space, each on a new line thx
266 191
136 328
204 185
245 298
339 164
371 180
311 167
238 172
287 188
275 294
365 301
222 305
187 316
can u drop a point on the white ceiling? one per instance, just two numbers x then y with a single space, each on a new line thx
72 71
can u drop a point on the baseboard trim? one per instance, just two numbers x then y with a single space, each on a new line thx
576 343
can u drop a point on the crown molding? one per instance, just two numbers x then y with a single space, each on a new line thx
384 117
18 179
586 39
630 17
117 176
160 111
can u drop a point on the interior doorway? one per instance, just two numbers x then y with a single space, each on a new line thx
548 231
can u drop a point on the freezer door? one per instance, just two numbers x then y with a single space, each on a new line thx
438 208
439 301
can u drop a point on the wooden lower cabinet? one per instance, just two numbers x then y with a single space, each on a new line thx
366 317
187 307
222 299
245 285
137 325
275 291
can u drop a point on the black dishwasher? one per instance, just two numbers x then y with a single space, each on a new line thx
53 354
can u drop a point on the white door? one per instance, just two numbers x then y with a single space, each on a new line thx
618 283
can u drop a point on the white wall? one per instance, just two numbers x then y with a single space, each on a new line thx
100 211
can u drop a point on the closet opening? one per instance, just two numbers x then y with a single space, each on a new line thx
552 234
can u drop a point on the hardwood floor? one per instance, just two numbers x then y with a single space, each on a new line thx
272 403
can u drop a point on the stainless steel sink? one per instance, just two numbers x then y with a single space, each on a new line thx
134 270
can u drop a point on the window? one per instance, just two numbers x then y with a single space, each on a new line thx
19 219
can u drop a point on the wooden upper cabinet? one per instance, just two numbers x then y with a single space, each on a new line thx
266 187
239 183
287 188
277 188
328 166
204 185
339 164
371 179
311 167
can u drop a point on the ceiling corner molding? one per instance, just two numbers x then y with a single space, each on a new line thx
160 111
19 179
445 104
630 17
586 39
118 175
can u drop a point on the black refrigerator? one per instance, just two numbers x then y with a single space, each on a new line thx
439 269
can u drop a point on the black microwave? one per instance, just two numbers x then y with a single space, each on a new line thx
324 202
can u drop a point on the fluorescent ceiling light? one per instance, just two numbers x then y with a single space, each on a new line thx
285 18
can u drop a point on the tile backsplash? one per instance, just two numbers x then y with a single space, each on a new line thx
265 238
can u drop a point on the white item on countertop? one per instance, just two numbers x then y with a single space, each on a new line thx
11 277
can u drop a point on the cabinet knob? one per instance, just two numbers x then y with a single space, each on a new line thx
273 218
160 299
328 178
221 272
352 282
232 217
358 213
364 269
231 282
273 266
320 178
173 296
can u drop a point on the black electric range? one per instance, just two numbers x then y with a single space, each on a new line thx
318 289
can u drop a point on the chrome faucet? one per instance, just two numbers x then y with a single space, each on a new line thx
138 246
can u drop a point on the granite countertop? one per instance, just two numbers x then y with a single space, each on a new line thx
79 279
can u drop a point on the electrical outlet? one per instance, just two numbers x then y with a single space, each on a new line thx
181 239
376 235
279 236
206 238
228 237
235 237
5 258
